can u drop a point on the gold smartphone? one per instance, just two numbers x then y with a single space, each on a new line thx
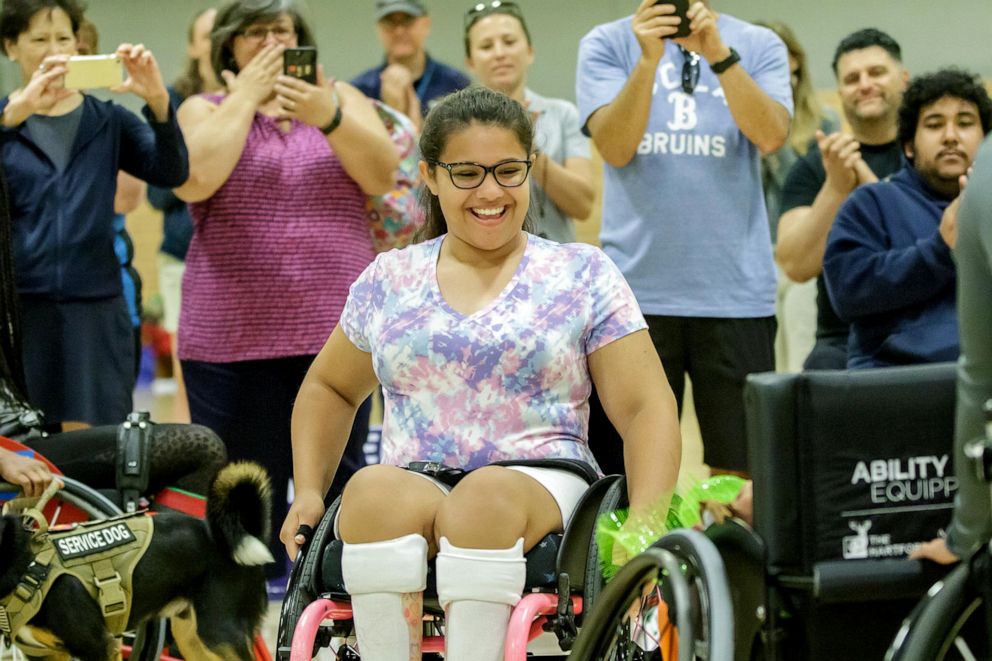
92 71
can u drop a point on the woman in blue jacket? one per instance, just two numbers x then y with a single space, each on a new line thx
62 150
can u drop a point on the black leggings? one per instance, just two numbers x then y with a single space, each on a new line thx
184 456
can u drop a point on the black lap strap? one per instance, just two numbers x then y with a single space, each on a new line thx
451 476
580 468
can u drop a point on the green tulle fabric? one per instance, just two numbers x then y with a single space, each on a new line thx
612 530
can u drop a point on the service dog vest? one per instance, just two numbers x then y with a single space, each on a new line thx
101 554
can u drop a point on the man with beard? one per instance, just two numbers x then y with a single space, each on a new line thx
870 82
888 265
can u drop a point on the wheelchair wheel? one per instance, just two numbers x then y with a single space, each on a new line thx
951 623
299 589
670 602
75 502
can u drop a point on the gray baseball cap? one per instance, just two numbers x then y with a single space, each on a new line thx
411 7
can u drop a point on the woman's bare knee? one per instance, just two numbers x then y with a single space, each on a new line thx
384 502
493 507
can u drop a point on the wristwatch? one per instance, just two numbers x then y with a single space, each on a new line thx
726 63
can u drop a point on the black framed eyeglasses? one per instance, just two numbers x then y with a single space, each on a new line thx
508 174
483 9
258 33
690 70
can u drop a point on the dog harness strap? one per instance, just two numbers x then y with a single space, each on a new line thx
25 600
100 554
110 594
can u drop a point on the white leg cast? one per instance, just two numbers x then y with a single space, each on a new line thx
376 576
478 588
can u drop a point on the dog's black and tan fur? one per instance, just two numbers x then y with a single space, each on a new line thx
206 575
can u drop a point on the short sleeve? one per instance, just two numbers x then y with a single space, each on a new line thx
615 312
770 69
576 144
356 318
802 184
600 73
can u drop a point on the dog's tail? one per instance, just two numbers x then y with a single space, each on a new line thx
239 512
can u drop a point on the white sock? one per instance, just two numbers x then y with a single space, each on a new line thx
475 630
478 588
376 575
383 633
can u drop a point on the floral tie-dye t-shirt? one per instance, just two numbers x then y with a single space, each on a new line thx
510 381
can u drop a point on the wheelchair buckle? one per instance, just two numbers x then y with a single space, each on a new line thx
563 624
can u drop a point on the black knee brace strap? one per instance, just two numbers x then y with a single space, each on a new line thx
133 464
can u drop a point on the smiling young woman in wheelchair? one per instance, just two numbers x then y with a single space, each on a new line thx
487 341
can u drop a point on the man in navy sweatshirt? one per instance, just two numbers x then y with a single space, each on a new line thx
888 265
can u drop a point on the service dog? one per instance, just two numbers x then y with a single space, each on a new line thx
207 576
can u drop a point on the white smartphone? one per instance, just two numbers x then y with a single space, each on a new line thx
93 71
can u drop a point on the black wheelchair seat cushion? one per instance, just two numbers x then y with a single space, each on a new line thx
541 573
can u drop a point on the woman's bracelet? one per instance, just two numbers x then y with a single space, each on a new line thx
335 122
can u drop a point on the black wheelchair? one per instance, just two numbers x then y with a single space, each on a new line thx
851 470
954 619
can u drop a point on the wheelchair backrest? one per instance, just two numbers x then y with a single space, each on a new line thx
850 464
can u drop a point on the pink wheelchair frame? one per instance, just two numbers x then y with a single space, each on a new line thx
526 623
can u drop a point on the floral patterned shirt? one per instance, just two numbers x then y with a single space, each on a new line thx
510 381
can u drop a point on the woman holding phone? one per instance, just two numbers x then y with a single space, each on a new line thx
499 52
62 150
280 170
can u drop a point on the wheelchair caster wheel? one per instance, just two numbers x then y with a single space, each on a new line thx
347 653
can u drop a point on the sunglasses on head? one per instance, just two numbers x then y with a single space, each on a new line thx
483 9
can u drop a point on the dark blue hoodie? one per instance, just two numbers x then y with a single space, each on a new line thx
890 274
63 220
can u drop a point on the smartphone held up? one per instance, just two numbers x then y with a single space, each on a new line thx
93 71
682 11
301 63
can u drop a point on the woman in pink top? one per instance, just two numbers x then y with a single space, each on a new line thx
279 174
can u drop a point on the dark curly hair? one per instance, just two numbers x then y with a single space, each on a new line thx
457 112
928 88
867 38
16 15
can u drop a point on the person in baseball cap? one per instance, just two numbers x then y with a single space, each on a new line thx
408 80
384 8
